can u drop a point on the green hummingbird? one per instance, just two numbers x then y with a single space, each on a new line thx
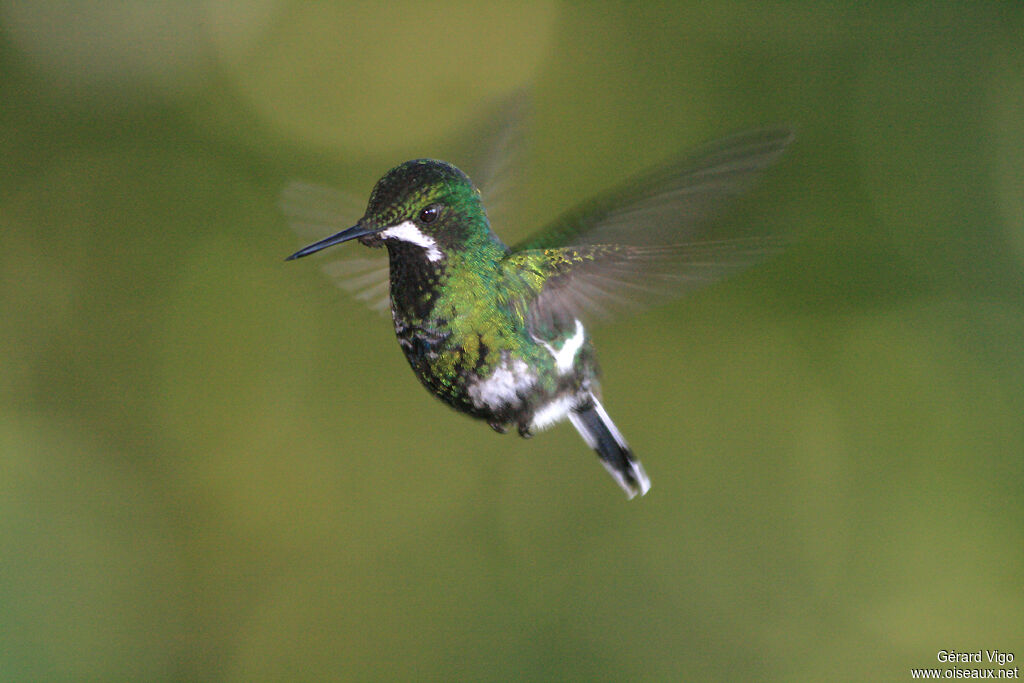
501 332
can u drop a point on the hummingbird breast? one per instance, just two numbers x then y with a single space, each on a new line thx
474 371
500 374
475 354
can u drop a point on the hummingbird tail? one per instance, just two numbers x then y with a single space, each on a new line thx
601 434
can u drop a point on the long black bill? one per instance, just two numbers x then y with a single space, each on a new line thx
343 236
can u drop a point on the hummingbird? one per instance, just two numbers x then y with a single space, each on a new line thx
501 333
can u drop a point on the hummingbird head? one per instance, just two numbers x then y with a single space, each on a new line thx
423 207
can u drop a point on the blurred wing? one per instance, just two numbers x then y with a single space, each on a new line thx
496 143
601 280
646 240
670 203
314 212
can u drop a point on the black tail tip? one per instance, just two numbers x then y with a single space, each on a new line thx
629 474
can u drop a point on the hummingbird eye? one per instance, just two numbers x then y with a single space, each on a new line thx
429 214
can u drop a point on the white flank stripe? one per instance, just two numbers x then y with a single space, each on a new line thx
565 356
408 232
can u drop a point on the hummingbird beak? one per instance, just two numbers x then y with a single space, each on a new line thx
344 236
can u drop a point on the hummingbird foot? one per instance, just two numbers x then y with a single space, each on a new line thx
499 427
524 431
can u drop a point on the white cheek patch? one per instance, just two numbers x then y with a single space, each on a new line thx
408 232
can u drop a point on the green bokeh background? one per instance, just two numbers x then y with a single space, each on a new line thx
216 466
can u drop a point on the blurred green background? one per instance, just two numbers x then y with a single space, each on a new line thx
216 466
